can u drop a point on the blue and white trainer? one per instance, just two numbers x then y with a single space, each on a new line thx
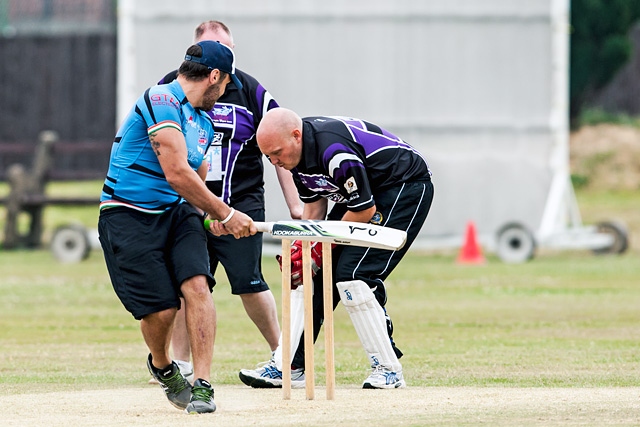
382 377
267 375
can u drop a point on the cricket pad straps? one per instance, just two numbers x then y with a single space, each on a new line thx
370 323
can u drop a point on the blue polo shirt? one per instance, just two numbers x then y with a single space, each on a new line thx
135 178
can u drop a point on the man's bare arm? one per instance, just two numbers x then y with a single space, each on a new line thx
290 192
170 147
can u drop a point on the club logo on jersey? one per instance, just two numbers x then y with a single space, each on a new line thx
202 136
350 185
376 218
217 138
222 114
320 184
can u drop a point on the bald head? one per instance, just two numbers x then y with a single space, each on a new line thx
279 137
215 31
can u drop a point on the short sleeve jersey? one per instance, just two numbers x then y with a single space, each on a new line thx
348 160
135 177
236 170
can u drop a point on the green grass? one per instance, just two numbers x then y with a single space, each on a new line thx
567 319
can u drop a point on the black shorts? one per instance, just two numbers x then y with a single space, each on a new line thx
241 259
149 256
404 207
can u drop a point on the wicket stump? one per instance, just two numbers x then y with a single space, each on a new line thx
307 282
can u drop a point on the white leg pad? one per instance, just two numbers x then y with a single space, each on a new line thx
369 322
297 325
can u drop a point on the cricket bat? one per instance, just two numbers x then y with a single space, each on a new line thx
338 232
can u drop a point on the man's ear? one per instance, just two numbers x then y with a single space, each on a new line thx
214 76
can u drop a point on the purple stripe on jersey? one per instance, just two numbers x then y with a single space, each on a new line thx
372 142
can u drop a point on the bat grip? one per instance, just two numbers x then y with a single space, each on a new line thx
263 227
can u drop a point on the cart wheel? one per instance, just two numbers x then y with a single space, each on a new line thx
620 237
70 243
515 243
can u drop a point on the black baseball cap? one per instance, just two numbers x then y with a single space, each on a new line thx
217 55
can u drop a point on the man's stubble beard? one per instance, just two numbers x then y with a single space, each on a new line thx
211 96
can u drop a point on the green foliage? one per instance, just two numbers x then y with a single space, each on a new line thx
579 180
594 116
599 44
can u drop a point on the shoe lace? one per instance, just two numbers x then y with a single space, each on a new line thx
175 383
378 370
266 363
204 394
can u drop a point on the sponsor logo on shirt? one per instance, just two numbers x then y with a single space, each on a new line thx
223 114
350 185
163 99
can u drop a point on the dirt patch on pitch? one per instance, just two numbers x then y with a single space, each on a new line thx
241 406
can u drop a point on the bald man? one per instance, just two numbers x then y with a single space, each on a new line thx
373 177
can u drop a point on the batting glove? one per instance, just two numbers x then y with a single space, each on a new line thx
296 261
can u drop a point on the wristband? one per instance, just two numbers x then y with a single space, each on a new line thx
226 220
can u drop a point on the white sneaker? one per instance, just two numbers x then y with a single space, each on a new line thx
186 369
267 375
382 377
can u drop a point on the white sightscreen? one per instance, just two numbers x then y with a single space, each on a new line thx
470 83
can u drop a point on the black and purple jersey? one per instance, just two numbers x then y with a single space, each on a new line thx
348 160
236 170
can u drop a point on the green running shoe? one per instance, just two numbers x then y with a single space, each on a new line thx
201 398
175 386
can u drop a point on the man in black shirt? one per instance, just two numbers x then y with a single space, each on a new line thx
373 177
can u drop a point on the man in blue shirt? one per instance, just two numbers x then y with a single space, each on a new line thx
236 175
150 221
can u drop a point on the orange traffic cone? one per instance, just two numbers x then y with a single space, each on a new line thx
471 253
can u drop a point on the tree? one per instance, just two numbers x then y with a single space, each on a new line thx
600 45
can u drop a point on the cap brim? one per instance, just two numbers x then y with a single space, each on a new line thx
236 81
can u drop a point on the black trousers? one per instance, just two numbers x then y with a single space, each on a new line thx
404 207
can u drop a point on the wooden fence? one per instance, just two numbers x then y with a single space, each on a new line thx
64 83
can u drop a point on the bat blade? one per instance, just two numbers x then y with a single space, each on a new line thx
338 232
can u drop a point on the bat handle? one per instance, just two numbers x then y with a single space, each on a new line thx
263 227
